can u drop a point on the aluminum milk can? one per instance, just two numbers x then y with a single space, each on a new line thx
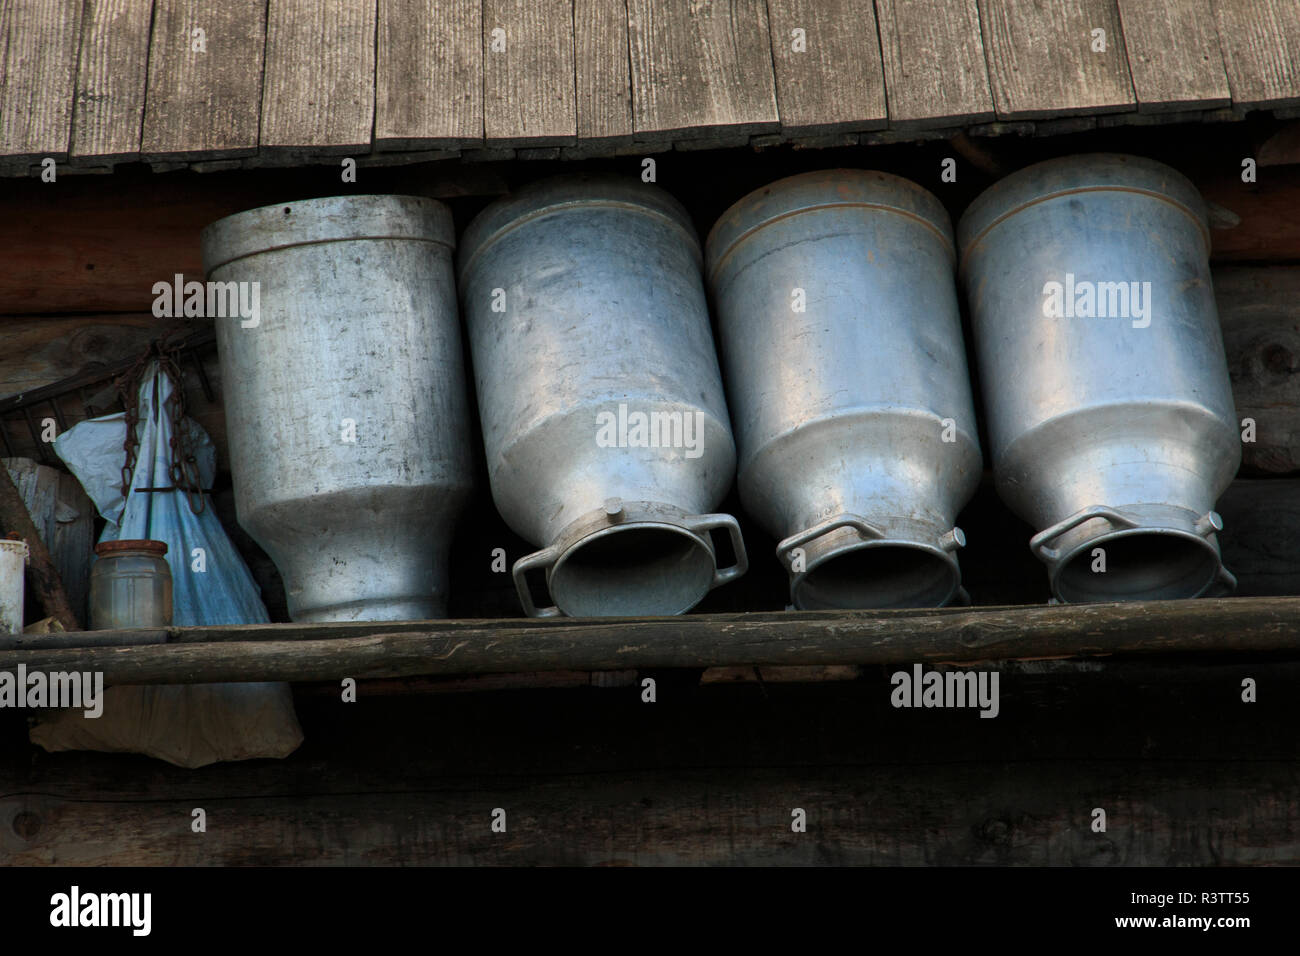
846 373
1101 362
345 399
606 430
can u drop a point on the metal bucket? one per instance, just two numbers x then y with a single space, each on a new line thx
346 407
13 564
841 339
603 414
1109 406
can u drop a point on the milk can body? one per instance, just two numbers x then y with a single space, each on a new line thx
1109 406
846 373
346 402
604 422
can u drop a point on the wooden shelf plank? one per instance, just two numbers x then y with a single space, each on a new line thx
319 92
111 79
834 81
1173 53
41 39
329 652
429 81
701 68
1041 61
935 69
1261 50
604 90
528 87
204 104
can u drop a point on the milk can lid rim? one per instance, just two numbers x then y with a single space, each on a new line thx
1079 173
325 219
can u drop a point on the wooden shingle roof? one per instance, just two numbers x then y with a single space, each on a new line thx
282 81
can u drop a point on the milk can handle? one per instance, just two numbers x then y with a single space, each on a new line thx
706 523
538 559
1038 543
863 527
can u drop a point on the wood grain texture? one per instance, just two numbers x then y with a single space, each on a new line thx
709 775
1259 309
64 517
41 39
429 76
1241 625
1041 62
1261 50
319 91
701 66
1173 54
829 78
111 80
529 97
1261 534
604 90
935 69
202 105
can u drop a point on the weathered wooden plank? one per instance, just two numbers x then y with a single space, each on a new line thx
64 517
41 40
111 79
1241 625
1041 60
205 79
987 814
935 69
1173 54
1261 537
528 75
429 76
319 91
1261 50
709 775
1259 309
604 90
701 67
827 59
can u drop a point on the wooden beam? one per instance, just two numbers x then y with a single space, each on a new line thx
1173 53
1042 62
319 93
935 68
1237 626
429 77
829 77
111 80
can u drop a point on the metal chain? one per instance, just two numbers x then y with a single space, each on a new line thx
183 471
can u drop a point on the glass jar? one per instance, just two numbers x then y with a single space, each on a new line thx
130 585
